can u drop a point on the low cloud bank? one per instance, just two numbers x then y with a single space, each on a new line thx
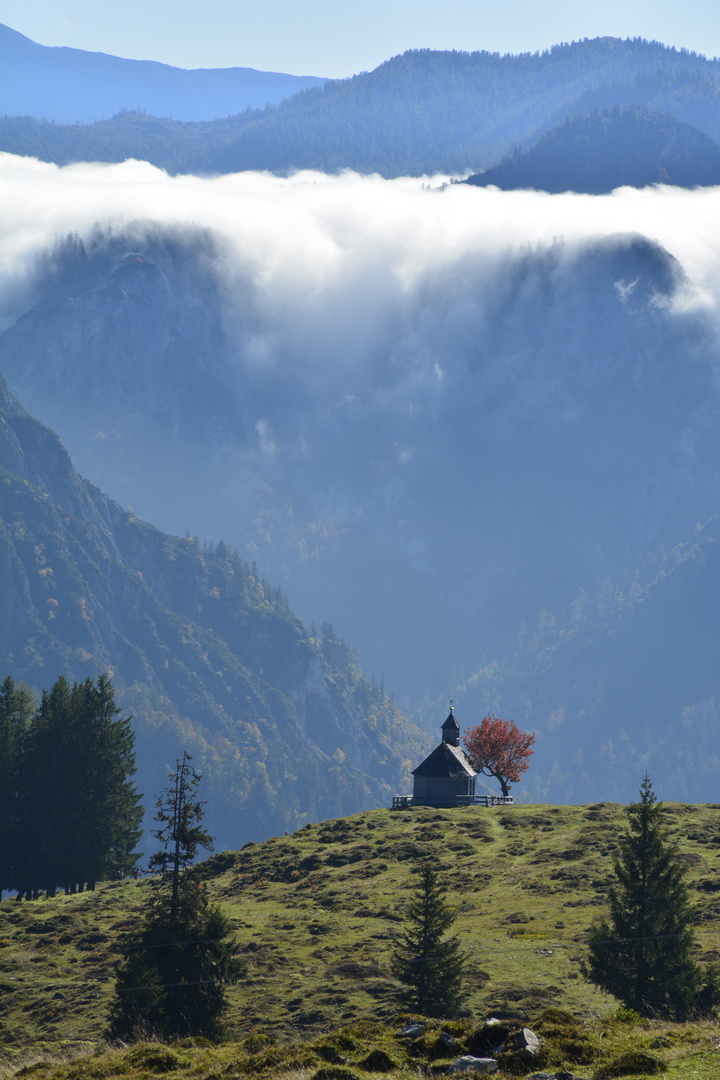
336 257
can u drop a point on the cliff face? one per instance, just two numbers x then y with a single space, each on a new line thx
116 330
204 653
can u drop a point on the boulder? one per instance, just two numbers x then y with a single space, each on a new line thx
412 1031
469 1064
527 1040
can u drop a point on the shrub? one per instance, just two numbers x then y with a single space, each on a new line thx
157 1059
631 1063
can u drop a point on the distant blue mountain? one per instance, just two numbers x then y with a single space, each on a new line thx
72 86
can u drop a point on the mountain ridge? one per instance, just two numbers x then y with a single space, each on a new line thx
422 112
70 86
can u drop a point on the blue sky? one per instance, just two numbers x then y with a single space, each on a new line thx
336 38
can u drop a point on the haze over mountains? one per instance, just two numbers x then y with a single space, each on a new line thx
71 86
476 430
422 112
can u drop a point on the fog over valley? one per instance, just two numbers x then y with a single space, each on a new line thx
475 430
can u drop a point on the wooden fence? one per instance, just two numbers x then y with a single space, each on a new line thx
402 802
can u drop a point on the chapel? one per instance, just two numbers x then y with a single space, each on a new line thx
445 777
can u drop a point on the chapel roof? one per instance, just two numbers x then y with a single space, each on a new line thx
445 760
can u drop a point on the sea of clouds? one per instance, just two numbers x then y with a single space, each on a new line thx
335 257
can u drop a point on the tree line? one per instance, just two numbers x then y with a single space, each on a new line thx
69 812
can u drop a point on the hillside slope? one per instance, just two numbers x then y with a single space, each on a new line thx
72 86
595 154
316 915
204 653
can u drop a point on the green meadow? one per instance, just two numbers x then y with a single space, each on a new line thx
315 915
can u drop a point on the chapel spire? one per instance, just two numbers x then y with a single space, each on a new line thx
451 729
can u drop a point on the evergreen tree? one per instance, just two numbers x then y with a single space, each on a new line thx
429 964
173 979
643 953
79 814
16 709
179 813
107 809
51 777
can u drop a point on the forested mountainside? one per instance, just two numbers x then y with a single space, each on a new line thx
72 86
203 651
519 533
598 152
419 113
623 680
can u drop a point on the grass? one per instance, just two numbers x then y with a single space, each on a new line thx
314 915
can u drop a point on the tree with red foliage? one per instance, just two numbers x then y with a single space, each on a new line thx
498 748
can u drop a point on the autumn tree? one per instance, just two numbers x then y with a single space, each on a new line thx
643 952
499 749
429 964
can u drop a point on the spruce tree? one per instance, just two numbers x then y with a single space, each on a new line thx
50 780
643 953
79 813
106 805
429 964
173 979
16 709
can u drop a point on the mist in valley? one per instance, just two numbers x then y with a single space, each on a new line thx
470 428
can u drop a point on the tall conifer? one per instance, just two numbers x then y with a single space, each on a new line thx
77 815
16 709
429 964
643 953
173 979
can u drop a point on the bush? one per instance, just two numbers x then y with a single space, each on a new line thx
632 1063
157 1059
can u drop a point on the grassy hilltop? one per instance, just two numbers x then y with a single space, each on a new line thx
314 915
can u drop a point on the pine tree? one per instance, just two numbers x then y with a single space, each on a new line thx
643 953
107 805
79 813
16 709
429 964
50 779
173 979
